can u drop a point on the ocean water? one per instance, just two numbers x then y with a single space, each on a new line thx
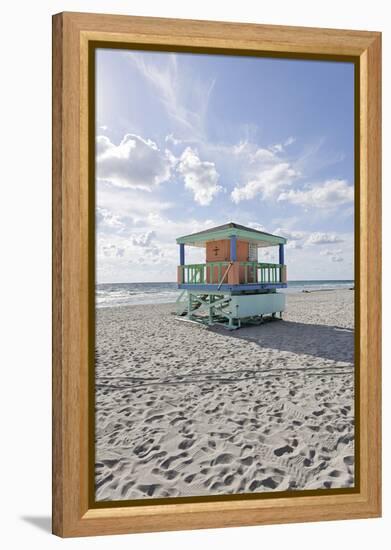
124 294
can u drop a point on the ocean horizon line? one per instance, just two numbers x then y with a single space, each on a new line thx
138 293
175 282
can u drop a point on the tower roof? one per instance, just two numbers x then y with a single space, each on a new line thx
260 238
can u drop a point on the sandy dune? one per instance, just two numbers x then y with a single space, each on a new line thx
182 410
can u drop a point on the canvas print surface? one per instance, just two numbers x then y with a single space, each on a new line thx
224 309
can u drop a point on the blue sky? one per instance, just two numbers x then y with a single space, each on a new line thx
186 142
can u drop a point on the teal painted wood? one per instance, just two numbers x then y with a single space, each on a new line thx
200 273
228 309
225 287
257 304
267 273
212 268
199 239
193 273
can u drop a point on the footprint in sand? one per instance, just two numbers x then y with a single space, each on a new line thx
224 458
171 474
268 482
335 473
229 479
282 450
126 488
185 444
247 461
148 490
189 478
103 481
349 460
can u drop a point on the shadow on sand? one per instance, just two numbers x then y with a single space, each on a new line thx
327 342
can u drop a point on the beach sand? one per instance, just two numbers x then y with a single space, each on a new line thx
184 410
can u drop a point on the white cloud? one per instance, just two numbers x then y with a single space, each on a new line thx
267 182
200 177
295 245
170 138
151 252
280 147
131 206
107 221
294 238
289 141
134 163
250 152
112 250
330 194
333 255
147 246
257 226
329 252
277 148
324 238
301 239
290 235
265 255
185 96
262 171
143 239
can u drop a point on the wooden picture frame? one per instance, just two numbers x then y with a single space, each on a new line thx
73 34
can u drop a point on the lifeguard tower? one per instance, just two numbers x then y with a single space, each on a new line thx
231 286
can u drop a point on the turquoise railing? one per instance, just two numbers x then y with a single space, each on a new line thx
262 272
216 272
213 273
193 273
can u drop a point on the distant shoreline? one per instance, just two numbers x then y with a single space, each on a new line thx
169 297
326 290
291 281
